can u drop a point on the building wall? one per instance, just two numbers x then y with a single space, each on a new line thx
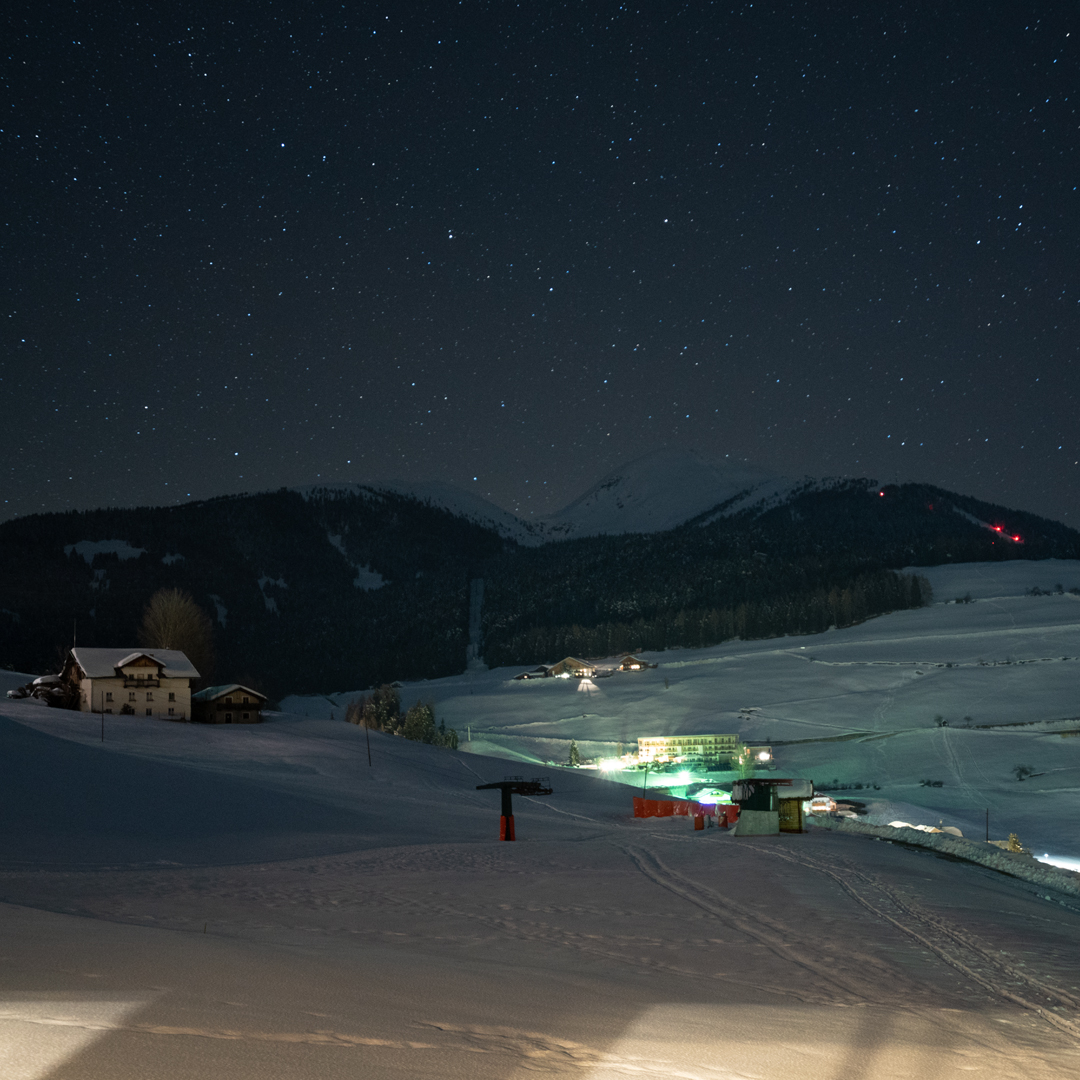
671 746
111 695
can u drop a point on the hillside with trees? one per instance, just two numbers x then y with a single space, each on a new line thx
352 588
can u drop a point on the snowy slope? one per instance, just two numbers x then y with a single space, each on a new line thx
859 705
258 902
660 491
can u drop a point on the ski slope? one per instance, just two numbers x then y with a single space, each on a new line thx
182 901
856 706
260 902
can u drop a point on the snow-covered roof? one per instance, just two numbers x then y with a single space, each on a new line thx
138 656
212 693
103 663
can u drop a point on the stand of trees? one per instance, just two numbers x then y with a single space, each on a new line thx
381 711
808 612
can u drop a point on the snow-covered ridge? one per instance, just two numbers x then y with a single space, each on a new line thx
658 491
661 491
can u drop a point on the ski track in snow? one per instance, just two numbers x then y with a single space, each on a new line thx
955 946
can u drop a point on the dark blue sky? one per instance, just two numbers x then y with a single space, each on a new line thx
273 244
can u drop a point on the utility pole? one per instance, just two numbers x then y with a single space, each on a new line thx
646 784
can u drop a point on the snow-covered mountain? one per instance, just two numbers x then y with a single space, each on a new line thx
660 491
653 493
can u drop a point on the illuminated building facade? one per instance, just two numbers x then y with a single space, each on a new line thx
683 747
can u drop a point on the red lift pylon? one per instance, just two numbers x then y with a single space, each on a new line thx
515 785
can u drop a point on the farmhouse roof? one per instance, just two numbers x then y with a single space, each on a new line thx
212 693
102 663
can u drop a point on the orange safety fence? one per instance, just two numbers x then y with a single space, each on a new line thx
725 814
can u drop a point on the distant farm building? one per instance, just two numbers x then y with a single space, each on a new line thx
136 682
230 704
633 663
537 673
572 668
661 748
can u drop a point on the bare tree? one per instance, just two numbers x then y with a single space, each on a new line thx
172 620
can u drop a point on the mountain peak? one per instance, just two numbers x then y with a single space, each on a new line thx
661 490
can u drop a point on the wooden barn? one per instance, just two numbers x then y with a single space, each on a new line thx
572 668
229 704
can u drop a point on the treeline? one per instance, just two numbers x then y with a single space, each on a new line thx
381 711
807 613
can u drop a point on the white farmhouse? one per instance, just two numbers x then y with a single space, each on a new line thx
136 682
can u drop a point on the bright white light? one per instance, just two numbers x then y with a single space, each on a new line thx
1066 862
764 755
610 765
684 777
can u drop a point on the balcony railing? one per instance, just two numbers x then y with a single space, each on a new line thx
135 684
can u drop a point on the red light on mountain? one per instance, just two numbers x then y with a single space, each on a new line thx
882 494
997 528
1018 540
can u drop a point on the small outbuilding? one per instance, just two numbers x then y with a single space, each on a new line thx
536 673
633 663
229 704
768 807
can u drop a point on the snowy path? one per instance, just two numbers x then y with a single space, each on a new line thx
258 903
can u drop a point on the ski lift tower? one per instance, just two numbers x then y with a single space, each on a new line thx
515 785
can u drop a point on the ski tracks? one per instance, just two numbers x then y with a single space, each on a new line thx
955 946
838 980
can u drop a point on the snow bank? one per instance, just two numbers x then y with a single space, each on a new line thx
1006 862
90 549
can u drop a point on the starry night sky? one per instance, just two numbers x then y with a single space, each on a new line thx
254 245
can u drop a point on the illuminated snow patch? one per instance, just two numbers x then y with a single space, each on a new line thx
39 1032
740 1042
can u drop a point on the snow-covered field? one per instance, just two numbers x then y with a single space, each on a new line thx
856 706
185 901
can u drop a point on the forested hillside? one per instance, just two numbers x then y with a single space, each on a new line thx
277 574
822 558
338 589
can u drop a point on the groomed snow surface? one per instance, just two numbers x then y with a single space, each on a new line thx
256 901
